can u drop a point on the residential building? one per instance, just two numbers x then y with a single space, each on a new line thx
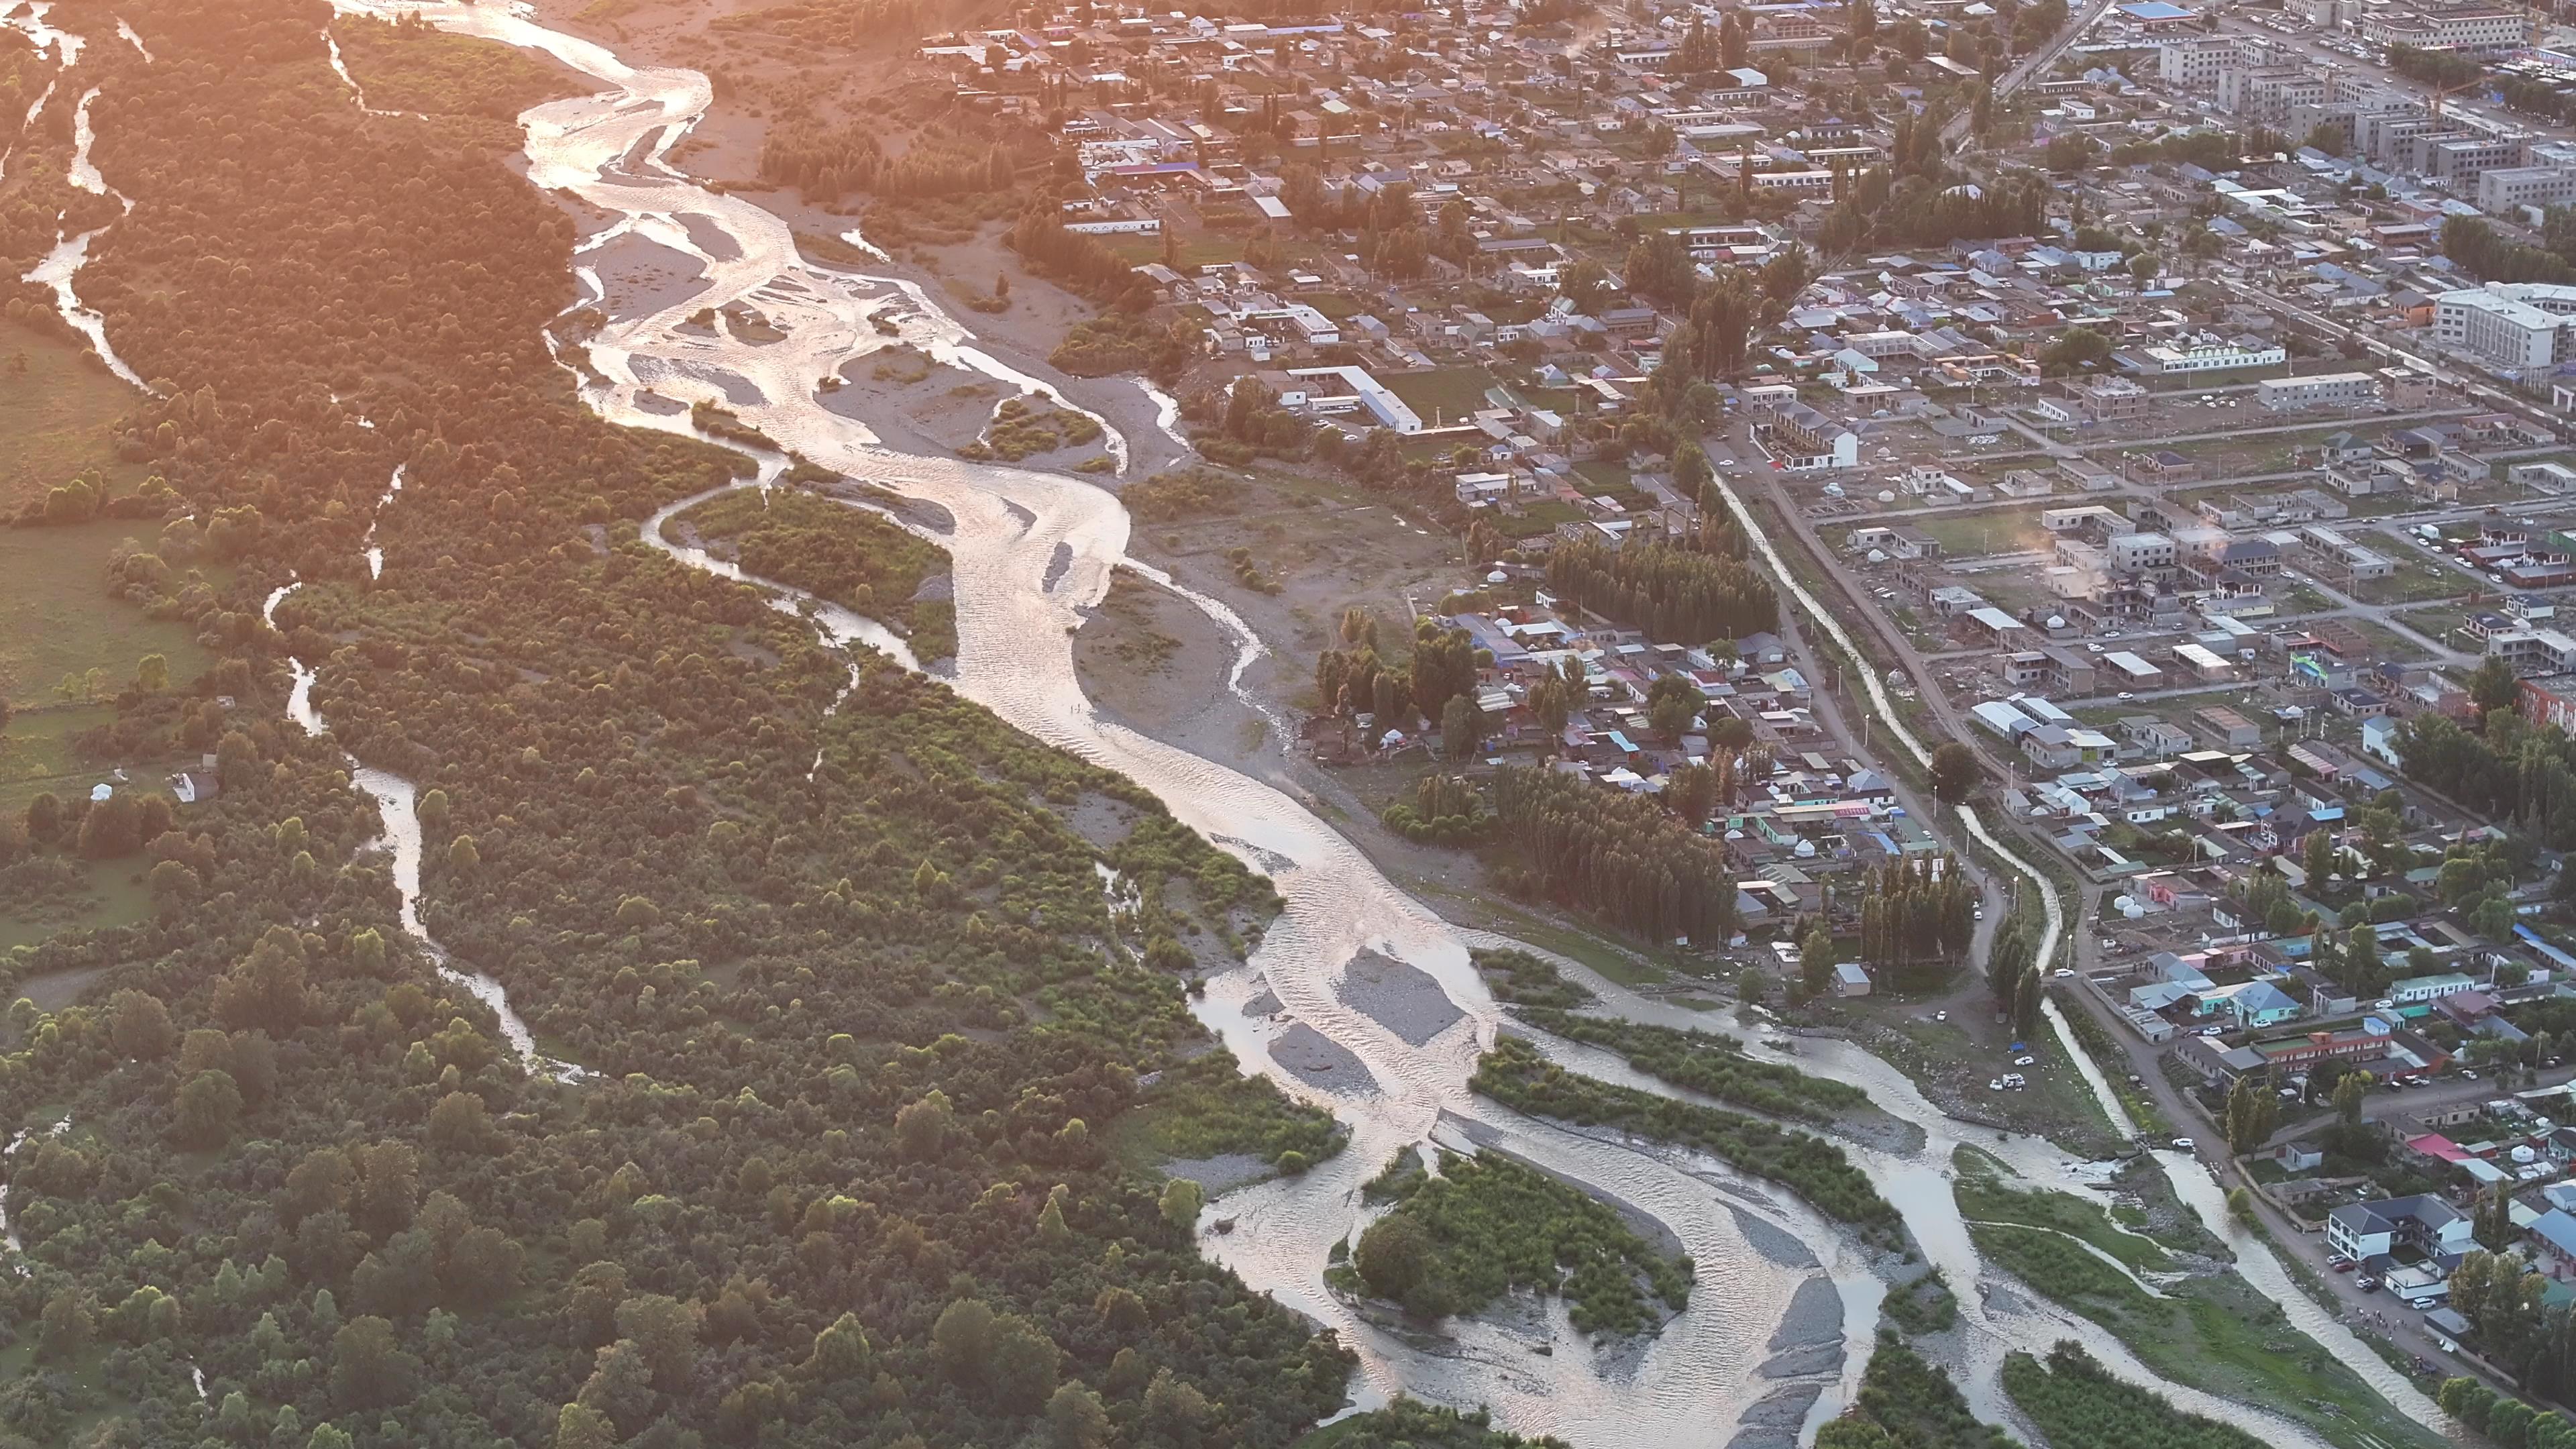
2130 553
2318 390
2365 1230
1802 439
2412 990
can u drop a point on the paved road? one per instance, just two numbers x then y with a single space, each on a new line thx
2034 64
2383 1105
2377 1312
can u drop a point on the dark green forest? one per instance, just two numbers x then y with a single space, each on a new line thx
859 1031
836 551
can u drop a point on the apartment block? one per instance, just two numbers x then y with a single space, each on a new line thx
2510 186
2515 324
2195 62
2321 390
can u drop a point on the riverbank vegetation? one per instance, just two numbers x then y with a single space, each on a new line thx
1515 1074
2074 1400
1909 1403
1412 1424
2214 1332
1192 491
1984 1198
1206 1107
1481 1226
1518 978
859 1026
835 551
1707 1063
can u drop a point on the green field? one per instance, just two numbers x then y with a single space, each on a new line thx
54 418
103 894
2417 580
36 754
1442 395
1973 535
56 617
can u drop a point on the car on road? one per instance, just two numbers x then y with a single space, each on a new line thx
2366 1283
2127 694
2213 1030
2182 1144
2342 1265
1940 1016
2420 1304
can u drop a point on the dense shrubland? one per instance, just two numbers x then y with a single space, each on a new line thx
1522 979
836 551
1484 1225
2072 1399
1707 1063
1909 1403
861 1026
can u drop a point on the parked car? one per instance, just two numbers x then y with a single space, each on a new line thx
2345 1265
2366 1283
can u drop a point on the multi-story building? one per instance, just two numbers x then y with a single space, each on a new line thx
1795 26
2532 651
2549 700
1802 439
2465 29
2131 553
2516 324
2340 557
2361 1231
2466 158
2264 96
2194 63
2319 390
2507 187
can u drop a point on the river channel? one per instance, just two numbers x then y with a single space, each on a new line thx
1032 554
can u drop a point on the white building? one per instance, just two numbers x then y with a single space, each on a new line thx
2507 187
2194 63
2209 355
2321 390
1364 392
2131 552
2446 29
2515 324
